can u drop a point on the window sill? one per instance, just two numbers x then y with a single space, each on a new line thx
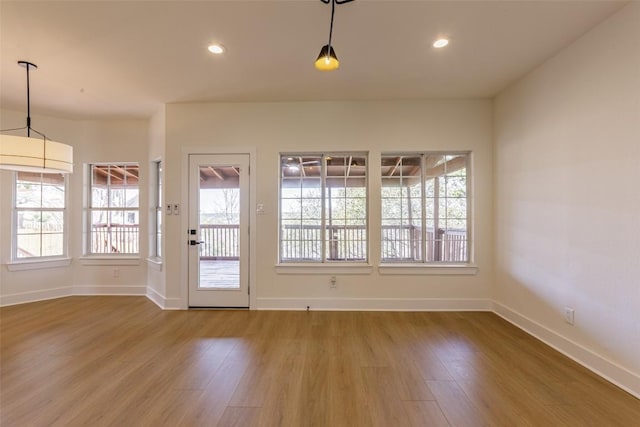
38 264
428 269
155 263
112 260
327 268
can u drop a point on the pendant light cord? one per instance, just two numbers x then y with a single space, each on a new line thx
27 65
28 104
333 11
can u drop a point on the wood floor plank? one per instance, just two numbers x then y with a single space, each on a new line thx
121 361
348 403
240 417
425 414
210 406
383 398
455 404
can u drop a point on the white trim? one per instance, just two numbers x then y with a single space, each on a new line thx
427 269
104 260
37 264
162 302
33 296
155 297
155 263
600 365
110 290
324 268
375 304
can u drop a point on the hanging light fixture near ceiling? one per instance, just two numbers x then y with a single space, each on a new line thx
28 154
327 59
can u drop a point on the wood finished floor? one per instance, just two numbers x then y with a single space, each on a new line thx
120 361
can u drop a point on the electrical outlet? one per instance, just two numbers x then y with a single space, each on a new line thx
569 315
333 282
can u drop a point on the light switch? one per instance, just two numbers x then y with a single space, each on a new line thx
260 209
168 209
176 209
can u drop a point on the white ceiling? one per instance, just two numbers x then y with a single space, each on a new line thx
125 58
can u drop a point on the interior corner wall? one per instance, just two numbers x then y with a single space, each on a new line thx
567 199
93 141
374 127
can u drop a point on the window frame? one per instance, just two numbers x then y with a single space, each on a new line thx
324 261
395 265
156 237
90 209
53 260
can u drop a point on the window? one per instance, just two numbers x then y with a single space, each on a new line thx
114 209
157 239
425 215
39 215
323 207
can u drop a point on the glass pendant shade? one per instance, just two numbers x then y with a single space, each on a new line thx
327 60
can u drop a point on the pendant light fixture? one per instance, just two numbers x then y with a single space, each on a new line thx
327 60
29 154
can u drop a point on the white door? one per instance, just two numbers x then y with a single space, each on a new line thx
218 230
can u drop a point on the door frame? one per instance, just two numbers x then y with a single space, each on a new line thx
184 217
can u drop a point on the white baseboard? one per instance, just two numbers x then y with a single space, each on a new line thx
607 369
162 302
155 297
110 290
34 296
375 304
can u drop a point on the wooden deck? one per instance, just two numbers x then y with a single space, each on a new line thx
222 274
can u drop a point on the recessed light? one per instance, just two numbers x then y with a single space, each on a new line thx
216 48
440 43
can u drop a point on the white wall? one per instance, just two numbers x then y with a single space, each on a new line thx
567 210
271 128
93 141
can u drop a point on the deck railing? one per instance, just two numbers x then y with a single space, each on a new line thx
399 243
404 243
115 238
221 241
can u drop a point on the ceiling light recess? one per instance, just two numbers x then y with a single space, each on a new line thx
327 59
28 154
440 43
